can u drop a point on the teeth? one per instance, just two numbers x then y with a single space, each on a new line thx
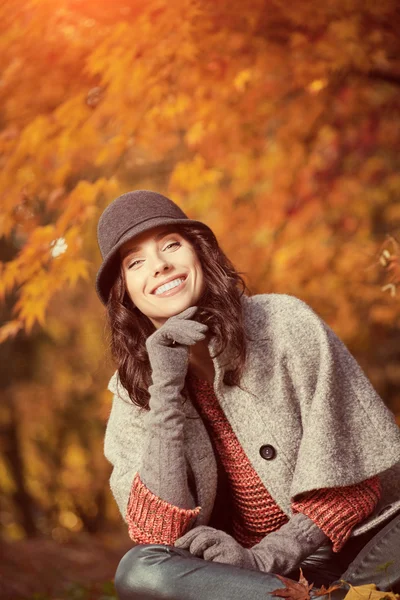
168 286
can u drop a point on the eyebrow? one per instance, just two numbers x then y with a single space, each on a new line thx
133 249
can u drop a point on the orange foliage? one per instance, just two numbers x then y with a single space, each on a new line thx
276 122
272 121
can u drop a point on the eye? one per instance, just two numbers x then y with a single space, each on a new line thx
134 263
171 245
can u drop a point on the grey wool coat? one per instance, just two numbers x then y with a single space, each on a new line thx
302 393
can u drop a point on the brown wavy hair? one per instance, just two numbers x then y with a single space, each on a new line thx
219 308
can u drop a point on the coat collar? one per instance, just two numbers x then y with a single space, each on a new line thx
224 360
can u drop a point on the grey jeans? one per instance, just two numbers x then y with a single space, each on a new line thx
157 572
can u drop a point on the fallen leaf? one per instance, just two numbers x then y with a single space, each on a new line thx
368 592
322 591
294 590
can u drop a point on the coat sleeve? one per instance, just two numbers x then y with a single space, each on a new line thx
124 439
150 519
348 434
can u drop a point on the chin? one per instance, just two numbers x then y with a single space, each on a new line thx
178 308
173 310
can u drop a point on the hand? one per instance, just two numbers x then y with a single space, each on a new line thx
168 347
279 552
216 546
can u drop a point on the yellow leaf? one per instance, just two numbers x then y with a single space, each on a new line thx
10 330
242 79
76 269
317 85
368 592
195 133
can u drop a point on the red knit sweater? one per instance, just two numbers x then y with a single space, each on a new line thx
252 511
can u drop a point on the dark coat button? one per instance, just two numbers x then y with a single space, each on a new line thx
267 452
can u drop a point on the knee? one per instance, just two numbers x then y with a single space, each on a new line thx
138 576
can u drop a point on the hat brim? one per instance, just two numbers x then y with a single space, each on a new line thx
109 268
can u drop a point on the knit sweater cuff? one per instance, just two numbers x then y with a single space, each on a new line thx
152 520
337 510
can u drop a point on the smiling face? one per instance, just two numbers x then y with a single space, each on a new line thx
163 275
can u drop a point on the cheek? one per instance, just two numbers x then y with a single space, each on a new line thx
132 287
200 276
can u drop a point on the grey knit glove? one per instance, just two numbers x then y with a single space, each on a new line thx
163 469
279 552
168 349
216 546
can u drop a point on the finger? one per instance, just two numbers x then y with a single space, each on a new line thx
187 326
187 339
175 335
222 558
184 328
186 540
181 339
201 543
213 553
181 544
184 335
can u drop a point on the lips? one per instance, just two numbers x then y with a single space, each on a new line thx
182 276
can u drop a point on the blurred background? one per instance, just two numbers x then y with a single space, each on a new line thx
276 123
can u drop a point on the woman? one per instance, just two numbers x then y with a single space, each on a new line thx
245 439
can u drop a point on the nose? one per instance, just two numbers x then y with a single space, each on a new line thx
160 264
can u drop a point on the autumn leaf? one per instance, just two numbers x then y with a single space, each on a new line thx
10 329
369 592
323 591
294 590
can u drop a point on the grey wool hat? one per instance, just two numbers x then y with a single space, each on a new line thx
127 216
